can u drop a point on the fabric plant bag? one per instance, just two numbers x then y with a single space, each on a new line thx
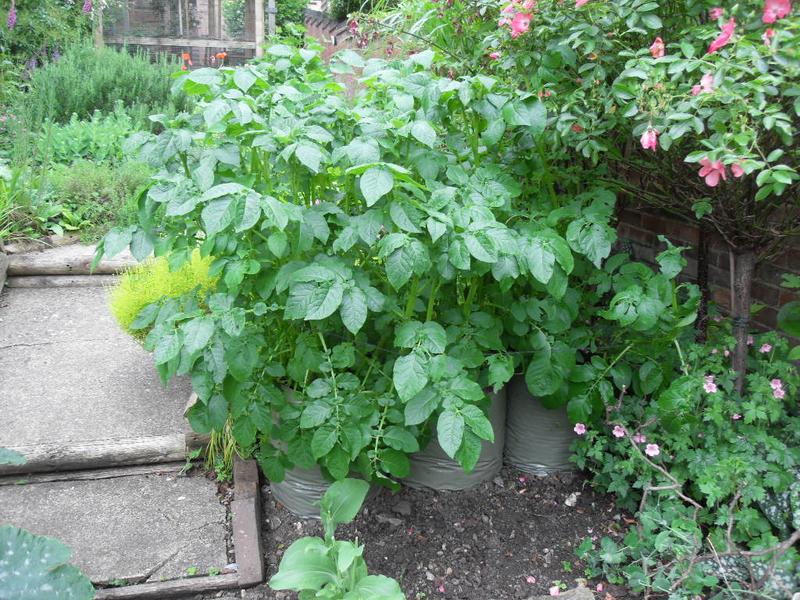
301 490
538 439
432 468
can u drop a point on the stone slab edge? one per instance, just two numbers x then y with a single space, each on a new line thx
247 546
3 268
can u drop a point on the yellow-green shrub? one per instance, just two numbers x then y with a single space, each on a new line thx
151 281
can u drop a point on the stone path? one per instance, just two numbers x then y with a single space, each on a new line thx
76 395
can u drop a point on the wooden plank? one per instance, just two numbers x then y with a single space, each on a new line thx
259 26
67 260
180 42
170 589
49 241
38 281
99 453
246 522
3 268
94 474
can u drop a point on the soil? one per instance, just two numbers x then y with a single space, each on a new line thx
510 538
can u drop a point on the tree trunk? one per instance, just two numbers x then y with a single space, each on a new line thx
742 287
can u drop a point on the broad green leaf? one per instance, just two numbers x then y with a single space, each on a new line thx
477 422
306 565
470 451
540 259
400 439
420 407
424 133
244 79
501 369
375 183
353 309
167 348
323 440
324 300
481 246
395 463
217 215
450 432
315 414
33 566
218 412
346 553
116 241
197 333
789 318
409 376
373 587
650 376
343 500
530 114
309 155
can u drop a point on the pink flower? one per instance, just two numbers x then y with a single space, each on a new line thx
716 13
767 36
776 384
652 450
530 579
639 438
528 4
494 55
657 48
520 24
619 431
736 416
765 348
441 588
749 340
87 7
724 37
712 171
579 428
649 139
779 394
708 385
776 9
12 15
555 590
706 85
599 587
737 170
579 3
726 353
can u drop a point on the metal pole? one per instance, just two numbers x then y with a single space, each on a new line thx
258 20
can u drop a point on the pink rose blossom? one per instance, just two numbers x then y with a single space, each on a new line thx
708 384
579 3
779 394
619 431
555 590
716 13
649 139
652 450
494 55
724 36
639 438
765 348
776 384
712 172
706 85
520 24
737 170
657 48
776 9
579 428
767 36
736 416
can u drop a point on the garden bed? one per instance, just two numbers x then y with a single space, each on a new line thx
481 543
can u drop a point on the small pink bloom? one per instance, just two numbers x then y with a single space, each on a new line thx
765 348
779 394
776 9
649 139
555 590
750 340
520 24
530 579
619 431
528 4
736 416
724 36
579 3
441 588
639 438
709 386
509 9
712 172
599 587
522 479
494 55
652 450
87 7
696 89
707 83
767 36
737 170
776 384
579 428
716 13
657 48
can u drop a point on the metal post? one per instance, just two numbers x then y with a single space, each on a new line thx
258 20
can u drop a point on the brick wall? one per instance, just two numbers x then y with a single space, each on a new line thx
641 226
333 35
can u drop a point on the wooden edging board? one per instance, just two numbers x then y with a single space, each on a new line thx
3 267
247 547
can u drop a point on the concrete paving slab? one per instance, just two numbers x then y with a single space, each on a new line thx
138 528
68 374
72 259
